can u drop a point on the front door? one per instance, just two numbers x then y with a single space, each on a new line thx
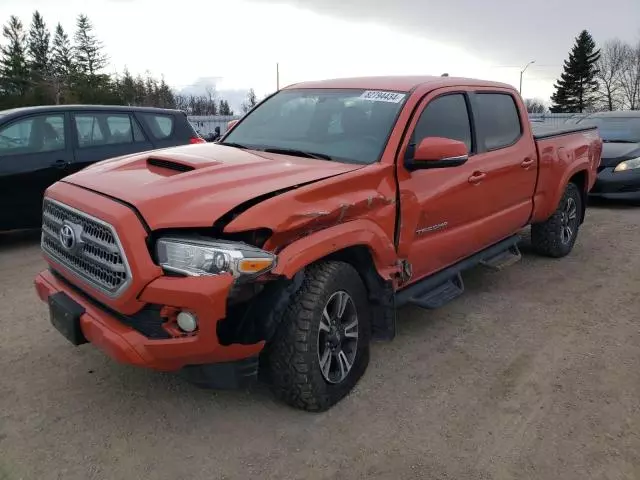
35 152
442 209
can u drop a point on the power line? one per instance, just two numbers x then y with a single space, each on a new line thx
520 66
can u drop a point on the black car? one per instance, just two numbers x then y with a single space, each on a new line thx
619 172
41 145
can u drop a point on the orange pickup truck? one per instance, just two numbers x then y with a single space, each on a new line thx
288 246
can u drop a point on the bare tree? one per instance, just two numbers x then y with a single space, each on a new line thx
211 100
198 104
630 77
535 105
250 101
610 70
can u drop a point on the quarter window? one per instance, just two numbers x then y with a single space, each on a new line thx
36 134
497 119
445 117
161 126
98 129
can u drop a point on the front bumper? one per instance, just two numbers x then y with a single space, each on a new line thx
617 185
204 296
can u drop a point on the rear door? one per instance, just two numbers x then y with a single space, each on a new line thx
101 135
167 129
508 157
35 152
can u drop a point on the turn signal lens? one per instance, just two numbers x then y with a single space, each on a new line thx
254 265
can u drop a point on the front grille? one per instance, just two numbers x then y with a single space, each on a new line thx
94 253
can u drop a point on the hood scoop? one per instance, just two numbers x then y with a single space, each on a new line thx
169 165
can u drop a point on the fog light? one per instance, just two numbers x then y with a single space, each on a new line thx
187 322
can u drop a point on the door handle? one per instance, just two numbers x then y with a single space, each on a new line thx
527 162
477 177
61 164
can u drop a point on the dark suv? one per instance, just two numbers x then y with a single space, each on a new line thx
41 145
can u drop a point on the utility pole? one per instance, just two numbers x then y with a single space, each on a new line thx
277 76
522 72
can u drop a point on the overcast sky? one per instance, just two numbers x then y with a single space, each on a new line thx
238 42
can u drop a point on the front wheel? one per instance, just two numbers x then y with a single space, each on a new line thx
556 236
321 348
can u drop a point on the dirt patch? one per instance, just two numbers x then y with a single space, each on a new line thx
533 374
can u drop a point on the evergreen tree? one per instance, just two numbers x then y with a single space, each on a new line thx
224 108
140 90
91 85
166 99
62 65
88 50
151 91
39 60
127 88
576 89
14 72
39 46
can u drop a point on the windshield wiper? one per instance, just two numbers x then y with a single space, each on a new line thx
232 144
298 153
618 141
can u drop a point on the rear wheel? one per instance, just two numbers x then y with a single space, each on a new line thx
321 348
556 236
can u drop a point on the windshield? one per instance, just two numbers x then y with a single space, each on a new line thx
616 129
345 125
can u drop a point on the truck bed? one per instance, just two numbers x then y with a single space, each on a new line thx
541 131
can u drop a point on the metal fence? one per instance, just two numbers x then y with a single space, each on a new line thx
555 119
207 124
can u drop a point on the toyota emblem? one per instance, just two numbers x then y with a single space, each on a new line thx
67 237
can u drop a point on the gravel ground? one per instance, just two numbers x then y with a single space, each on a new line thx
533 374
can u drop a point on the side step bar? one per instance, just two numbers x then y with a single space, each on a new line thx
442 287
503 259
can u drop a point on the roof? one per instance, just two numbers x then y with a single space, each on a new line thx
616 114
111 108
397 83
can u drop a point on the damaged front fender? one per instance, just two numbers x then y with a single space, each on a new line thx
323 243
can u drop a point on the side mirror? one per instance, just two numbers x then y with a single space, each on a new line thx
437 152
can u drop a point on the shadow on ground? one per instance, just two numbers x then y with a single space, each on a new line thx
19 238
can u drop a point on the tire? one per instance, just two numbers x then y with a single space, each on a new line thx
294 358
556 236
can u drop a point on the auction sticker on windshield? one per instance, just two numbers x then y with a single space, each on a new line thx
381 96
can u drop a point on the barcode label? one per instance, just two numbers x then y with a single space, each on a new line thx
381 96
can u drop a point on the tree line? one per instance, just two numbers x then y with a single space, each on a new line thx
598 79
38 67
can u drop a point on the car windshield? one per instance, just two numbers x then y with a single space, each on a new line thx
616 129
344 125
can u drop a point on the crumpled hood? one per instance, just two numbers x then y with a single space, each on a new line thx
613 153
194 185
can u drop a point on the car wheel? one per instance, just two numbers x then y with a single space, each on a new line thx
321 347
556 236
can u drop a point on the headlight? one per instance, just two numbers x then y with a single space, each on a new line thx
201 257
628 165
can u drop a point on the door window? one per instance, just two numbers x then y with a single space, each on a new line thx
498 120
446 117
36 134
99 129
